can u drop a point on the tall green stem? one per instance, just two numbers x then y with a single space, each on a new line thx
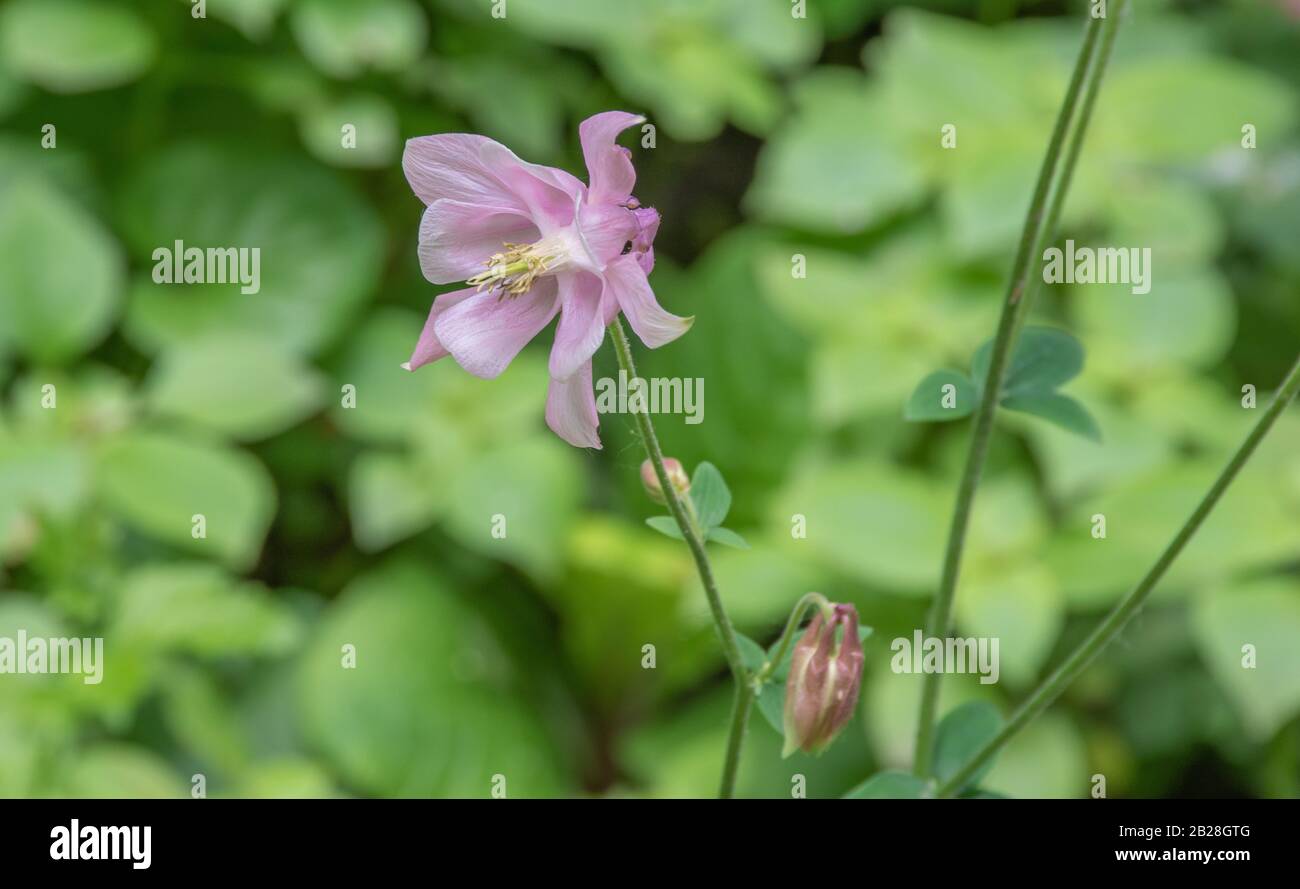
1108 629
1044 210
683 514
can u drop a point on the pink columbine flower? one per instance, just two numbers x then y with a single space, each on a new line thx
532 242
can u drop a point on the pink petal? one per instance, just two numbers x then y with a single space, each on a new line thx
428 349
609 166
582 323
626 282
606 229
571 409
485 332
450 166
647 223
549 194
457 238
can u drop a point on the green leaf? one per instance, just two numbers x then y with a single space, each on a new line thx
961 733
881 524
239 384
1263 681
254 18
196 608
1060 410
727 537
72 46
710 494
931 399
389 499
60 274
1044 359
432 707
157 483
771 703
889 785
343 38
534 485
665 525
832 168
374 131
120 771
751 653
320 246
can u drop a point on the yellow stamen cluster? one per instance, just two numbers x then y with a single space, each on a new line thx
512 271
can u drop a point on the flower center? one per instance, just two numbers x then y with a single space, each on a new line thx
514 269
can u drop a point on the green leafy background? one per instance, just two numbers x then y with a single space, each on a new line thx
370 526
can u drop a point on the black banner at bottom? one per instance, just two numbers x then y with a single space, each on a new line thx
216 838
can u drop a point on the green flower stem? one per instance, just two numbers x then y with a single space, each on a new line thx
684 514
1044 209
791 628
1114 623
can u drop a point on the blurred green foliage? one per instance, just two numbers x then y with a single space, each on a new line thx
369 526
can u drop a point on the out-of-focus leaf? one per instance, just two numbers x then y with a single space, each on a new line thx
833 167
344 38
882 525
960 734
1046 760
157 483
242 385
389 499
60 274
196 608
1264 679
930 400
1022 609
413 642
73 46
889 785
515 503
1131 335
120 771
319 243
357 131
254 18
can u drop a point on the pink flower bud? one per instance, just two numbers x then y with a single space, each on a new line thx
676 476
825 675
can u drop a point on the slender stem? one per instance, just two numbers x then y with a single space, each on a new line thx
940 618
684 514
791 628
1072 152
740 708
1108 629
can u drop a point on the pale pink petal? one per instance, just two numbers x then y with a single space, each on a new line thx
485 332
456 238
549 194
647 222
582 323
571 409
427 348
627 283
606 229
450 166
609 165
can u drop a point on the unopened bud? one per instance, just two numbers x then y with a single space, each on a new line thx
825 675
676 476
